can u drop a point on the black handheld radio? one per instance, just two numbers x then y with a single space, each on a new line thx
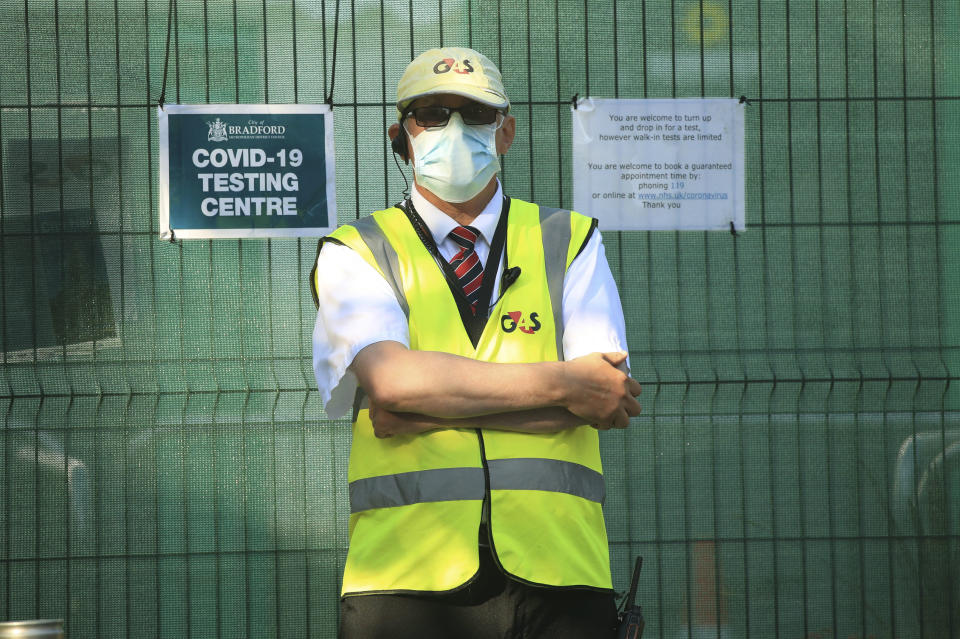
631 617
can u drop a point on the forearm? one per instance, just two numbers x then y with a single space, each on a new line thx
448 386
541 420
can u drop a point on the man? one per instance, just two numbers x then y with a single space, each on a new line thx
480 342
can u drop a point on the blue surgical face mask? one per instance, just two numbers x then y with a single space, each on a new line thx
457 161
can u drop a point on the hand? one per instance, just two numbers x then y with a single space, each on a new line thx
387 423
599 392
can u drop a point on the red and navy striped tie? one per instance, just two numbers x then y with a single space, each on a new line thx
466 264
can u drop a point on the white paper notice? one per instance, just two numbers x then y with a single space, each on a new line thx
647 165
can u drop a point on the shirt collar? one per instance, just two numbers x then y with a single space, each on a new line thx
440 224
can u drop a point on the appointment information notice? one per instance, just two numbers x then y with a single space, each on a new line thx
647 165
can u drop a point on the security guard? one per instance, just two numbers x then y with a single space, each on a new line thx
480 342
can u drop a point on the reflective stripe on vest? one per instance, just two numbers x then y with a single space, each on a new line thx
403 489
555 227
546 474
385 255
449 484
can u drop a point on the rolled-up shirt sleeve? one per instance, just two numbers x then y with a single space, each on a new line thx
357 307
592 312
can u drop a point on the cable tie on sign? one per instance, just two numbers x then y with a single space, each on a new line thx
733 229
745 100
333 62
574 100
171 9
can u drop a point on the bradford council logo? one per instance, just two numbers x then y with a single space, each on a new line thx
218 131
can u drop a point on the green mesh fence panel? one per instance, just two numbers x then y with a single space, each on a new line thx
168 469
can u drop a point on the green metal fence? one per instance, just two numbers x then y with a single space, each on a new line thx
168 470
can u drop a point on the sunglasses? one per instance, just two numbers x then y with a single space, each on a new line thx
437 116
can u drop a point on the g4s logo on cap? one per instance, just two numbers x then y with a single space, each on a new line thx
445 65
514 320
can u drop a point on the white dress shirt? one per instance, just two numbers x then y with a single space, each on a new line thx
358 307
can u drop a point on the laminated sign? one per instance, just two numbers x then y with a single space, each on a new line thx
649 165
246 170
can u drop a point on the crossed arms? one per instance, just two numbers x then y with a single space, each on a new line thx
415 391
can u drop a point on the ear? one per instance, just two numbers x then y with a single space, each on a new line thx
399 143
506 133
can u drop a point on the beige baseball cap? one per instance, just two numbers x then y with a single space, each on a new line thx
456 70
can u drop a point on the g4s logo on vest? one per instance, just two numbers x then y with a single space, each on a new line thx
514 319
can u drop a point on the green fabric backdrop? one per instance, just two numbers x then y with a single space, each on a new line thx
168 469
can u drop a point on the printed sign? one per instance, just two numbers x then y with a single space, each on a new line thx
247 170
647 165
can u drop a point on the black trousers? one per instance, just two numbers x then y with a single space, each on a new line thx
493 606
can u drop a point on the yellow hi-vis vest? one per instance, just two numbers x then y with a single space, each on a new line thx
416 500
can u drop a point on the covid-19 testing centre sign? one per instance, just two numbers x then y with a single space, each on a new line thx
659 164
246 170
